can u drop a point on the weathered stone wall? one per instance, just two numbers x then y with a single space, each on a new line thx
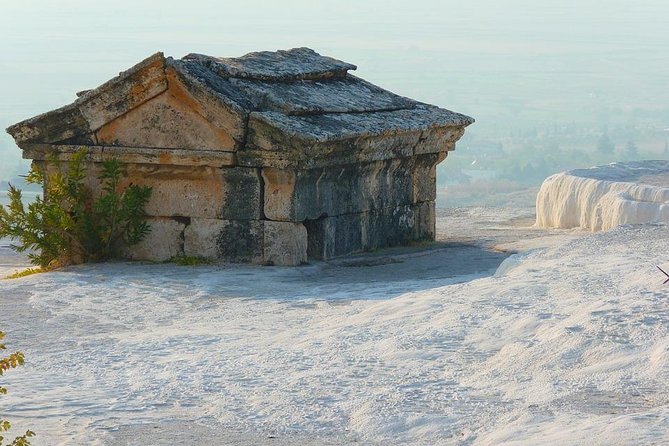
356 207
249 241
297 195
207 212
281 216
206 205
330 237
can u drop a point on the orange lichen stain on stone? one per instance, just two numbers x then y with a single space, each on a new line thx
165 158
179 92
144 82
107 133
137 91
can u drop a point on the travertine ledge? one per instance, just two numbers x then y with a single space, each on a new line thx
601 198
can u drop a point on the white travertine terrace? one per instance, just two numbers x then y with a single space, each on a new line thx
601 198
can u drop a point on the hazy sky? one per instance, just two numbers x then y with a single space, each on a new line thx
483 58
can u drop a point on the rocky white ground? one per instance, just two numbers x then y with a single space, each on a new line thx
601 198
566 342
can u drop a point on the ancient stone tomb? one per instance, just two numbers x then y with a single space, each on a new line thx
271 158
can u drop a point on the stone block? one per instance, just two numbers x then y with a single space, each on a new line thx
242 194
297 195
280 66
240 241
384 147
131 155
201 237
166 240
191 191
425 229
439 140
273 151
226 124
285 243
74 122
264 242
199 192
343 138
278 194
330 237
424 173
68 124
179 190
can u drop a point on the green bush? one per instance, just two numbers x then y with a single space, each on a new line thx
10 362
69 225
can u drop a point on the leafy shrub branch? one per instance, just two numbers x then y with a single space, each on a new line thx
10 362
69 224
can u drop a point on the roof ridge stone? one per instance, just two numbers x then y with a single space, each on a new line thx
276 66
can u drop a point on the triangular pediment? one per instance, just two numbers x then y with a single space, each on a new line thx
153 104
173 119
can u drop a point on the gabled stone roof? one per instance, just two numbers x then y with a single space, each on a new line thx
295 95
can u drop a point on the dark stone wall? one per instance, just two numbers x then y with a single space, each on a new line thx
330 237
298 195
240 241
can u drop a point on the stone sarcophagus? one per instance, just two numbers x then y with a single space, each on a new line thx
271 158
